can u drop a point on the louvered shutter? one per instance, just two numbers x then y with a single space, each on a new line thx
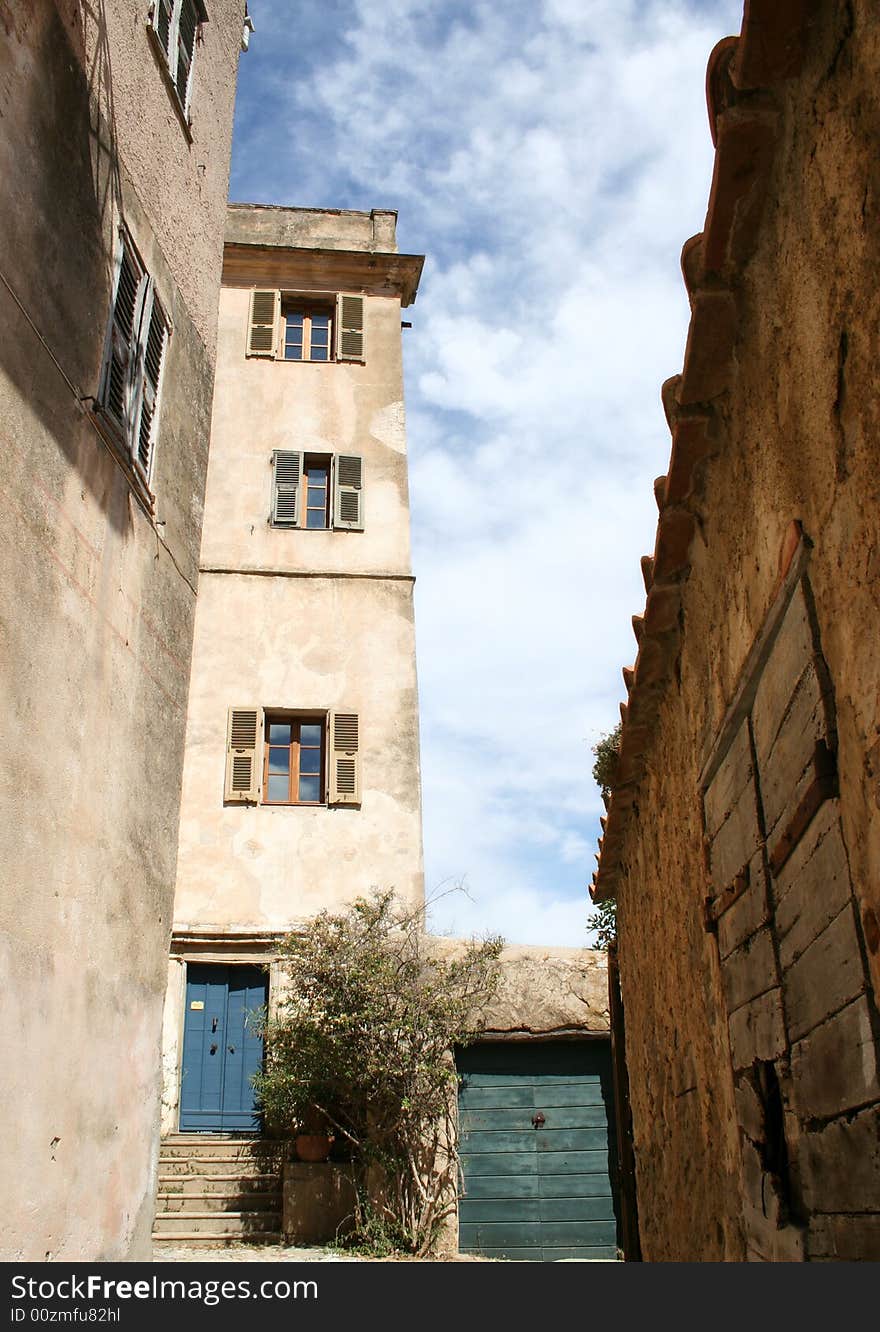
151 350
262 335
343 764
348 491
349 328
120 371
244 755
286 473
186 41
161 20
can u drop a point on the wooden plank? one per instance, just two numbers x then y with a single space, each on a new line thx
757 1030
839 1165
575 1163
499 1163
734 774
503 1186
782 772
576 1209
527 1234
748 913
813 885
476 1143
595 1253
555 1117
736 841
789 657
504 1098
834 1068
750 970
826 976
512 1254
570 1185
586 1092
571 1140
470 1079
474 1211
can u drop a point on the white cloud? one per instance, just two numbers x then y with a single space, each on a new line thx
550 160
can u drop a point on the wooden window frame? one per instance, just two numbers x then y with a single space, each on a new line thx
296 721
323 459
292 304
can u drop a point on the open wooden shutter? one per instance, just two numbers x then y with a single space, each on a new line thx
188 21
150 355
348 491
244 756
286 474
161 21
343 759
349 328
119 380
263 331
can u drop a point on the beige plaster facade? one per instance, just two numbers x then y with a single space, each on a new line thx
293 621
98 600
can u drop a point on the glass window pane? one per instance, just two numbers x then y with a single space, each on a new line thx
310 760
316 476
310 733
316 518
279 788
320 336
294 320
309 788
293 351
320 321
279 733
317 497
279 760
319 353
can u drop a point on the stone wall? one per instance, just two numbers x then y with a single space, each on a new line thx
743 836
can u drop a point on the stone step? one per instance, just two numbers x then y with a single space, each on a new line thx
185 1239
189 1203
203 1145
189 1183
241 1224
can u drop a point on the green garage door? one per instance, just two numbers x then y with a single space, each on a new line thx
537 1152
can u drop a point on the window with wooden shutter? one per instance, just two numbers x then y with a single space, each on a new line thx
244 746
349 328
348 491
128 395
174 25
286 478
263 323
343 765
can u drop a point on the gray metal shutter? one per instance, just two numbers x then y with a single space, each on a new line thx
350 342
348 491
286 476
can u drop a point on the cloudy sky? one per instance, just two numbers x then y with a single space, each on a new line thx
549 157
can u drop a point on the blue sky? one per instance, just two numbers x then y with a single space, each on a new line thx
549 157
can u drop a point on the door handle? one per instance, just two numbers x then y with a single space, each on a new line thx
538 1120
213 1025
232 1049
213 1049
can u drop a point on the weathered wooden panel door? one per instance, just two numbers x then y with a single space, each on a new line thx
221 1051
537 1151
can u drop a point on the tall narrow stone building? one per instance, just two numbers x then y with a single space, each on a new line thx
301 780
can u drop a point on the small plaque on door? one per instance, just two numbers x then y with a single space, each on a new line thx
197 1003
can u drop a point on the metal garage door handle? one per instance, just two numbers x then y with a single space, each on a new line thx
538 1120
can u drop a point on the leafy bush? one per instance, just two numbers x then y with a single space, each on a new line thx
360 1045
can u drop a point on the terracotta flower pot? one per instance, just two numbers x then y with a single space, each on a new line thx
313 1146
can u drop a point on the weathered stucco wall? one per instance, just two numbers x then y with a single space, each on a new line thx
775 424
97 607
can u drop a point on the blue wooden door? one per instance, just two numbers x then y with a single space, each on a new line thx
537 1151
221 1051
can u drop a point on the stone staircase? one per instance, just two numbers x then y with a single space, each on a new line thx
218 1189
